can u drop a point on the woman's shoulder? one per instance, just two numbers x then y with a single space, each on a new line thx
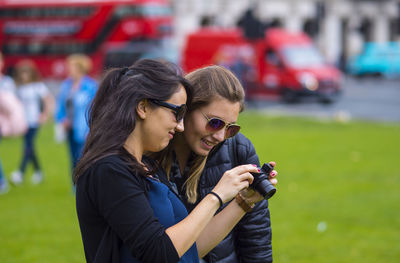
111 170
111 162
89 82
239 140
34 86
237 146
108 166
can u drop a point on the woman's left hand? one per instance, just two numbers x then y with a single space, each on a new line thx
252 196
272 175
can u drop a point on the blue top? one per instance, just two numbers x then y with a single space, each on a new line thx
169 210
79 101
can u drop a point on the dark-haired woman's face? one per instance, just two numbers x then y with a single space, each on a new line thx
160 126
200 139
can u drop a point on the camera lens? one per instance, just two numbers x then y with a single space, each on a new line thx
261 183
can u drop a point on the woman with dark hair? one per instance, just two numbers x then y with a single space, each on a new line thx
126 213
210 145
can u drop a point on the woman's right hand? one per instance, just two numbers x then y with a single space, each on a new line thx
235 180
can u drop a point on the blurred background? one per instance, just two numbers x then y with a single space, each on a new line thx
322 82
281 50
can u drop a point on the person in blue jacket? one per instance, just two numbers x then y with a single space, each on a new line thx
210 145
126 211
75 95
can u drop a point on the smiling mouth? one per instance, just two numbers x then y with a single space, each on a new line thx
208 143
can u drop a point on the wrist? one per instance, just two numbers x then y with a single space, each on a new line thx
243 203
217 197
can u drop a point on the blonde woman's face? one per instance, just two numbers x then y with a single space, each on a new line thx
74 70
197 136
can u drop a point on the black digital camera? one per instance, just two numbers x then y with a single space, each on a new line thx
261 183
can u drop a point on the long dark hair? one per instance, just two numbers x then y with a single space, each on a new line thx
112 114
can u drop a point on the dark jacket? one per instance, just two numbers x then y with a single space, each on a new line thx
250 240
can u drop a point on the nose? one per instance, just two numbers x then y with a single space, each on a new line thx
219 135
180 127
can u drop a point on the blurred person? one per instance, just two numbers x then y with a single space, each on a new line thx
126 213
210 145
12 123
75 95
37 102
6 82
12 118
252 27
243 66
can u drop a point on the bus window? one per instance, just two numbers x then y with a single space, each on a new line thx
47 32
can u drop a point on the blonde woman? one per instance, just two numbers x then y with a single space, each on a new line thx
211 145
75 95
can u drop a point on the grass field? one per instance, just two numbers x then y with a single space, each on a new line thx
337 201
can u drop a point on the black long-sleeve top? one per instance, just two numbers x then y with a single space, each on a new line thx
112 209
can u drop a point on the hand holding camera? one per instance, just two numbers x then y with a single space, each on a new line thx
261 182
261 188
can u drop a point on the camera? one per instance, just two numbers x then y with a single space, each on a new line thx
261 183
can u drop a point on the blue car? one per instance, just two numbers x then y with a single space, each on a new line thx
376 59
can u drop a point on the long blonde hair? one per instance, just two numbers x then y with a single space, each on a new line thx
208 83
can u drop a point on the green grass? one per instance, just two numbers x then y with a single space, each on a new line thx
345 175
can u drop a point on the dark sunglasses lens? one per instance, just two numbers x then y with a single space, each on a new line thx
232 130
180 113
215 124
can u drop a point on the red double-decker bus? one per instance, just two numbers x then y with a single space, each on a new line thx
112 33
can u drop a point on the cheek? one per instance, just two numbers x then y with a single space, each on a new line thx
194 132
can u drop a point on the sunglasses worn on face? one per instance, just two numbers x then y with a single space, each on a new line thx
179 111
215 124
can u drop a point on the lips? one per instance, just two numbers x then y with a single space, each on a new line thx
207 144
171 135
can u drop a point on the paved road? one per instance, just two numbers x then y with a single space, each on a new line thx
374 99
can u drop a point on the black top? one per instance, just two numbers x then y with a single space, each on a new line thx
113 208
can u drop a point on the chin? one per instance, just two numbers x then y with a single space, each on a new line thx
160 147
202 152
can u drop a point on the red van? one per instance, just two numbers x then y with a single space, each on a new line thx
282 63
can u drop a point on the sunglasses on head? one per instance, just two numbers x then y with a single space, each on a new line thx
179 111
215 124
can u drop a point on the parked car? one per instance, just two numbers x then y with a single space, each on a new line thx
376 59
